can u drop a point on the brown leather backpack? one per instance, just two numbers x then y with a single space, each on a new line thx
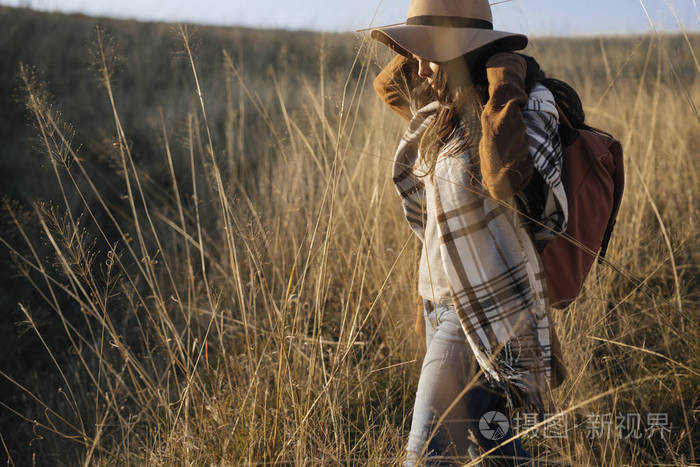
593 178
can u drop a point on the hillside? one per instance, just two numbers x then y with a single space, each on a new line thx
228 280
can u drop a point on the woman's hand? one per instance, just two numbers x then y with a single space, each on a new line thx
394 84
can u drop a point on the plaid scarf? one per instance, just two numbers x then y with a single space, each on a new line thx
495 275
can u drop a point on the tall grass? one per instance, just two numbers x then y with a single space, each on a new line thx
239 315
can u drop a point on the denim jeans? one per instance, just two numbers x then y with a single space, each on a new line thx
480 414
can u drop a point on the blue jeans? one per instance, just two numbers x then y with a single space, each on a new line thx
477 415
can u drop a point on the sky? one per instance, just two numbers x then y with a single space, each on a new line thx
533 17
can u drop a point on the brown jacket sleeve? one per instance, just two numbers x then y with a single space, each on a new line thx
393 85
506 164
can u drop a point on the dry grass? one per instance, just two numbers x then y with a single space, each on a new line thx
238 316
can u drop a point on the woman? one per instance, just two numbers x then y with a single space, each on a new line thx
475 141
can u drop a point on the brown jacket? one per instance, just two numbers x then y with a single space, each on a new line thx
506 165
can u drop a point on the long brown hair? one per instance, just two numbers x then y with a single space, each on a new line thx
461 87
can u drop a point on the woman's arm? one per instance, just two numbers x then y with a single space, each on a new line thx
506 164
393 85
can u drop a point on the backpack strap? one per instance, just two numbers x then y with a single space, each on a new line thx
567 132
563 118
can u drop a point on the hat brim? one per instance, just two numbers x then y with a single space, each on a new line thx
441 44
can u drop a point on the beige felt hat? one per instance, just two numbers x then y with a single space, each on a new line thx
442 30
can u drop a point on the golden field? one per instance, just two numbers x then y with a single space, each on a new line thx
206 261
